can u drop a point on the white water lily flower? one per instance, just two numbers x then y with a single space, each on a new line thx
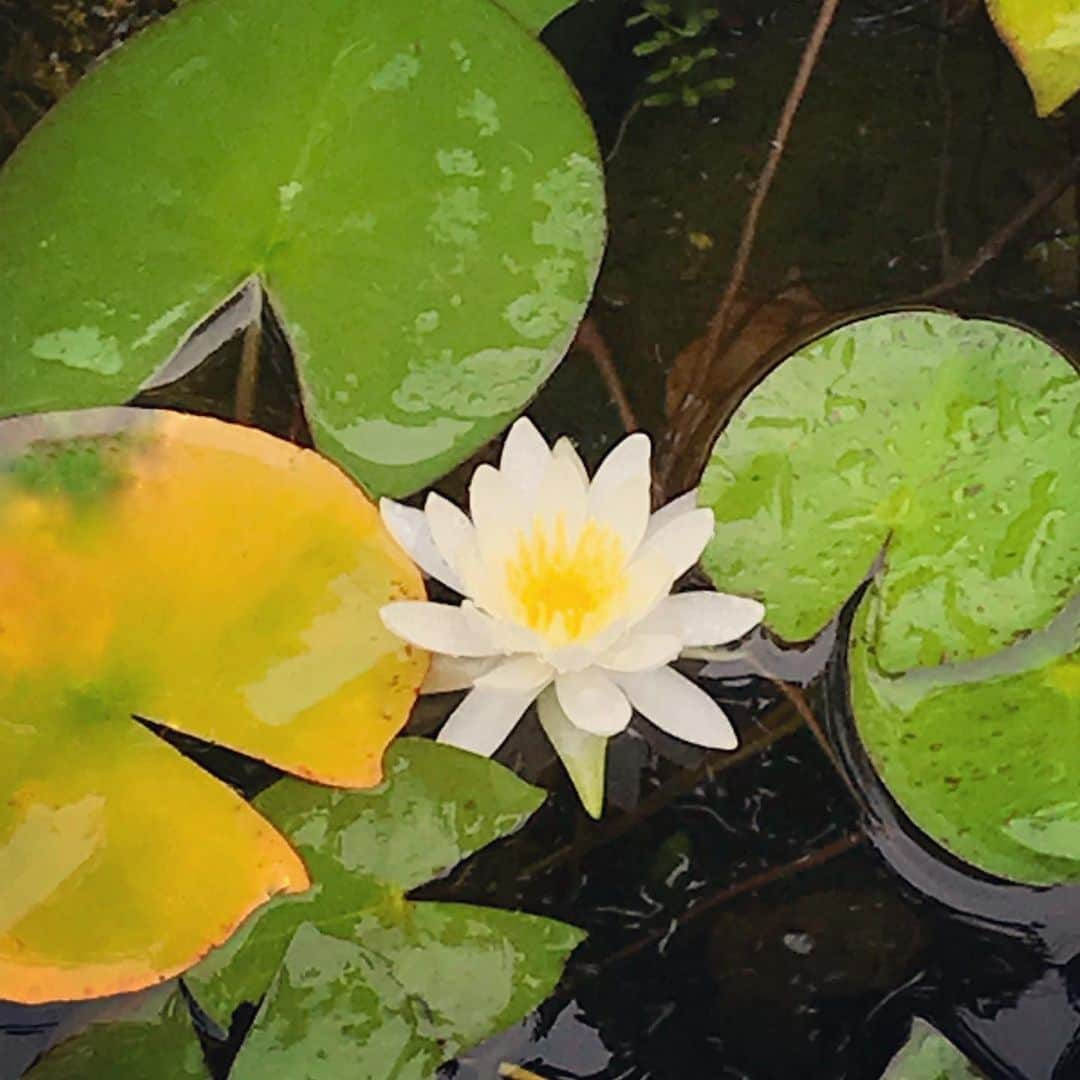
566 587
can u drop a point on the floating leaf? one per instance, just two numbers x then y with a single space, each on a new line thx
210 578
980 755
928 1055
416 186
356 977
155 1039
948 440
1044 38
536 14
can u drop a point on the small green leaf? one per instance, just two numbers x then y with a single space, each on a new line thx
950 440
1044 38
660 40
664 97
715 87
928 1055
156 1039
356 976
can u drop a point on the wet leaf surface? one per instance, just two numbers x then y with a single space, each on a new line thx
417 188
212 579
359 979
979 755
947 442
1044 38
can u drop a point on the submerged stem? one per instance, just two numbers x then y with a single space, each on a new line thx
247 380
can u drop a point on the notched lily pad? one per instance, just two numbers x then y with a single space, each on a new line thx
355 976
1044 38
949 440
207 577
416 186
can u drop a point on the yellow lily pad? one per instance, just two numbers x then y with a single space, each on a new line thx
1044 38
212 579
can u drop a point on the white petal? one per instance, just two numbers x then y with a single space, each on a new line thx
494 510
620 493
525 456
679 707
561 494
642 651
583 754
680 542
629 460
579 656
593 702
453 535
482 722
518 673
448 673
410 529
650 581
625 510
564 448
512 638
670 511
712 618
440 628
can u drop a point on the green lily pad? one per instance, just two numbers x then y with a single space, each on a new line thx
928 1055
948 442
213 579
354 978
1044 38
155 1039
536 14
416 186
981 755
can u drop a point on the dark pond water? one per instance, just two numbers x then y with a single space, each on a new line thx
744 922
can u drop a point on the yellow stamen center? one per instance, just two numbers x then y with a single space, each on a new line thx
566 588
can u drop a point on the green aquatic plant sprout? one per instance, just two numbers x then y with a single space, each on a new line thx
938 452
355 979
415 187
676 77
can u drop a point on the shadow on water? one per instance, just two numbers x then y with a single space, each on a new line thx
749 917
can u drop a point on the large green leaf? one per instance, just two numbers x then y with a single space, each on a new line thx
536 14
981 755
208 577
1044 37
155 1039
950 440
414 183
928 1055
358 980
